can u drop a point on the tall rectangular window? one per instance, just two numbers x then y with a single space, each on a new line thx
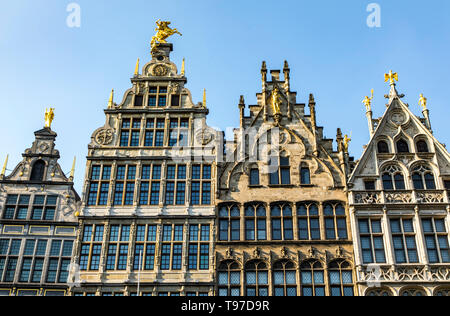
404 240
201 186
125 185
130 132
199 236
436 240
176 174
372 243
99 185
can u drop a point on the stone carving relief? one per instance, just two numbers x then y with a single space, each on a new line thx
104 136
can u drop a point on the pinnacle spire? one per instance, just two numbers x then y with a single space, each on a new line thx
136 70
4 166
72 171
204 98
111 99
183 67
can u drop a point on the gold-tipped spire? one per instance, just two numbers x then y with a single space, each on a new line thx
392 77
204 98
111 99
72 172
423 102
49 116
136 70
183 67
4 166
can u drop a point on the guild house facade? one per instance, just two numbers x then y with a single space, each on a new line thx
38 225
399 201
169 208
148 213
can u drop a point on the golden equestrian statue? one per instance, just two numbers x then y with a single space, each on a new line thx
276 101
49 116
423 102
163 31
368 102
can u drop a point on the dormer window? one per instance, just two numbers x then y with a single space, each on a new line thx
37 173
369 184
422 146
254 176
447 184
157 96
402 146
305 176
423 178
383 147
139 100
393 178
282 175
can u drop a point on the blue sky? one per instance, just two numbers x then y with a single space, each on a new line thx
331 52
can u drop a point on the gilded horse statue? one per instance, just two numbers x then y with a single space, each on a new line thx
163 31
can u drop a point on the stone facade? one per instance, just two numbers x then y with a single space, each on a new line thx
147 221
38 224
283 222
399 201
170 208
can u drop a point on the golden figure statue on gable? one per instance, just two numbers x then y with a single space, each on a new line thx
163 31
49 116
276 101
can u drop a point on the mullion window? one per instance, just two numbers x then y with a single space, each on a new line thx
130 132
404 240
282 222
176 186
372 243
436 240
91 247
308 221
198 252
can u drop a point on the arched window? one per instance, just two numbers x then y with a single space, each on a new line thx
312 278
229 278
255 222
254 176
281 171
442 292
341 278
422 146
402 146
308 221
383 147
393 178
335 221
229 222
284 278
305 176
37 173
413 292
282 223
256 279
423 178
379 292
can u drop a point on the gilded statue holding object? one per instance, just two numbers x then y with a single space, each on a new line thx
368 102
